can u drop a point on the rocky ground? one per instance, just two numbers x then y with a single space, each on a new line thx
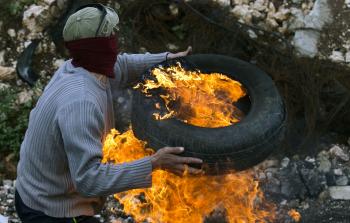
317 185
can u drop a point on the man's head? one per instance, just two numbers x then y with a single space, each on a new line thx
89 38
90 21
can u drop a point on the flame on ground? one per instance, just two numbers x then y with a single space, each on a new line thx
200 99
295 215
186 199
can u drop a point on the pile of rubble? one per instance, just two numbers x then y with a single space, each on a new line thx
301 21
305 184
41 15
7 202
291 183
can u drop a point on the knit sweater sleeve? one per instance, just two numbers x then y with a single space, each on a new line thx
81 125
129 67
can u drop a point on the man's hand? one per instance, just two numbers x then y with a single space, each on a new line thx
167 159
179 54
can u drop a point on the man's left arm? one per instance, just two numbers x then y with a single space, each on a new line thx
129 67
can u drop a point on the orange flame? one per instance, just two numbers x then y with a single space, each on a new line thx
196 98
295 215
186 199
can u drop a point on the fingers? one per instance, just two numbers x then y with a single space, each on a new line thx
182 169
180 54
189 160
167 158
189 50
179 159
173 150
186 52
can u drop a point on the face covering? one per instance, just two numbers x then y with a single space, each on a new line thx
96 54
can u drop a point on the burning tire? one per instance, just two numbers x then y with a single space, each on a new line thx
238 146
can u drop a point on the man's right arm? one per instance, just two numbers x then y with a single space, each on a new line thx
81 124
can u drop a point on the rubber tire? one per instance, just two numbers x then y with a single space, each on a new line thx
223 149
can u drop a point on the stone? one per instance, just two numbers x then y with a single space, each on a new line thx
282 14
272 186
261 176
27 43
271 22
55 11
172 46
324 195
268 163
129 220
271 8
7 183
339 192
285 162
342 181
11 33
319 16
49 2
117 6
292 186
337 56
7 73
324 165
339 152
272 170
259 5
21 34
240 2
31 19
305 7
347 57
257 15
304 205
4 86
252 34
2 57
283 28
57 63
297 20
3 219
24 96
310 159
347 3
224 2
243 12
331 179
338 172
283 202
314 181
305 42
61 4
269 175
174 9
9 201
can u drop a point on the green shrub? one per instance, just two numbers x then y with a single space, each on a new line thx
13 120
15 8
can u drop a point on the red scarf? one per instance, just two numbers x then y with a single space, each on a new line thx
97 54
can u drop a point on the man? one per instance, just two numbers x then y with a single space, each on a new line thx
60 177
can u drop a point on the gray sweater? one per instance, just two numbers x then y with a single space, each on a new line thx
60 171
